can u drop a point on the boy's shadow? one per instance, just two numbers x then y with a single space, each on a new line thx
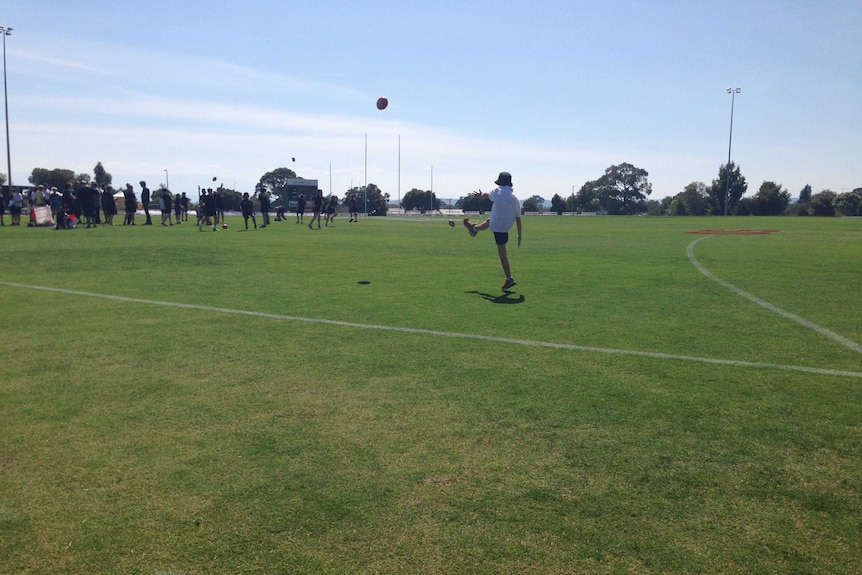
504 298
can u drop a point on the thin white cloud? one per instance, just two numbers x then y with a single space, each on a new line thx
141 110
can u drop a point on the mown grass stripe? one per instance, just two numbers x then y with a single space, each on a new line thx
437 333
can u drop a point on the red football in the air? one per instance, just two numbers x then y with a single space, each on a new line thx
382 103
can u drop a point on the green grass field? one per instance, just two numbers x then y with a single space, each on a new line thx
364 399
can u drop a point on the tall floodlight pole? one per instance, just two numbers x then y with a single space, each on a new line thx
6 31
167 182
399 171
432 188
733 92
365 185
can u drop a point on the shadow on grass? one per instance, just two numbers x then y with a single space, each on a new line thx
505 297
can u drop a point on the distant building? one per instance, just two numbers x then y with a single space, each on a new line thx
297 186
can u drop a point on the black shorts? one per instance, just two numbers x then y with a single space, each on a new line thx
502 238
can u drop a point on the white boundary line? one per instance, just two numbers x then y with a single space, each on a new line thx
418 331
783 313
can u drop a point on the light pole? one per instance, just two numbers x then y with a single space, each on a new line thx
6 31
431 198
167 182
733 92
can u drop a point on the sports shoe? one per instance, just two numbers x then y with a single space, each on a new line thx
471 229
510 282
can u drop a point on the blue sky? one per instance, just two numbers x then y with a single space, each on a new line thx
553 92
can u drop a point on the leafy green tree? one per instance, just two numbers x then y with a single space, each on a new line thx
101 177
371 200
421 200
805 195
676 207
745 207
652 207
719 191
849 204
692 201
275 182
621 189
231 200
52 178
797 209
771 200
378 202
587 199
476 202
558 204
670 204
823 203
533 204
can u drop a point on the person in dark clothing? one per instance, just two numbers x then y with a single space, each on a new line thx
4 201
131 205
247 207
219 206
201 210
354 209
210 210
165 201
70 198
56 203
178 209
87 199
300 208
203 201
108 206
331 210
316 207
264 207
145 201
75 204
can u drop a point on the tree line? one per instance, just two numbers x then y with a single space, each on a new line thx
623 189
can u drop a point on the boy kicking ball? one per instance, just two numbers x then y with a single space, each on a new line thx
505 211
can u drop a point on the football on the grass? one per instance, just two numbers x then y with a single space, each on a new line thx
452 223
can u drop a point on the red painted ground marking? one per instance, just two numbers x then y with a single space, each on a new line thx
735 232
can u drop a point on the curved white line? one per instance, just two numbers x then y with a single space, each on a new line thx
436 333
783 313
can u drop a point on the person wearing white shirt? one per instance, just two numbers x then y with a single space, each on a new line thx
505 211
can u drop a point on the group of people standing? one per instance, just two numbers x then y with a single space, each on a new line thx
168 204
91 205
211 208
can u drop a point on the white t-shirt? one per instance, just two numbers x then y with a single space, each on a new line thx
504 210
